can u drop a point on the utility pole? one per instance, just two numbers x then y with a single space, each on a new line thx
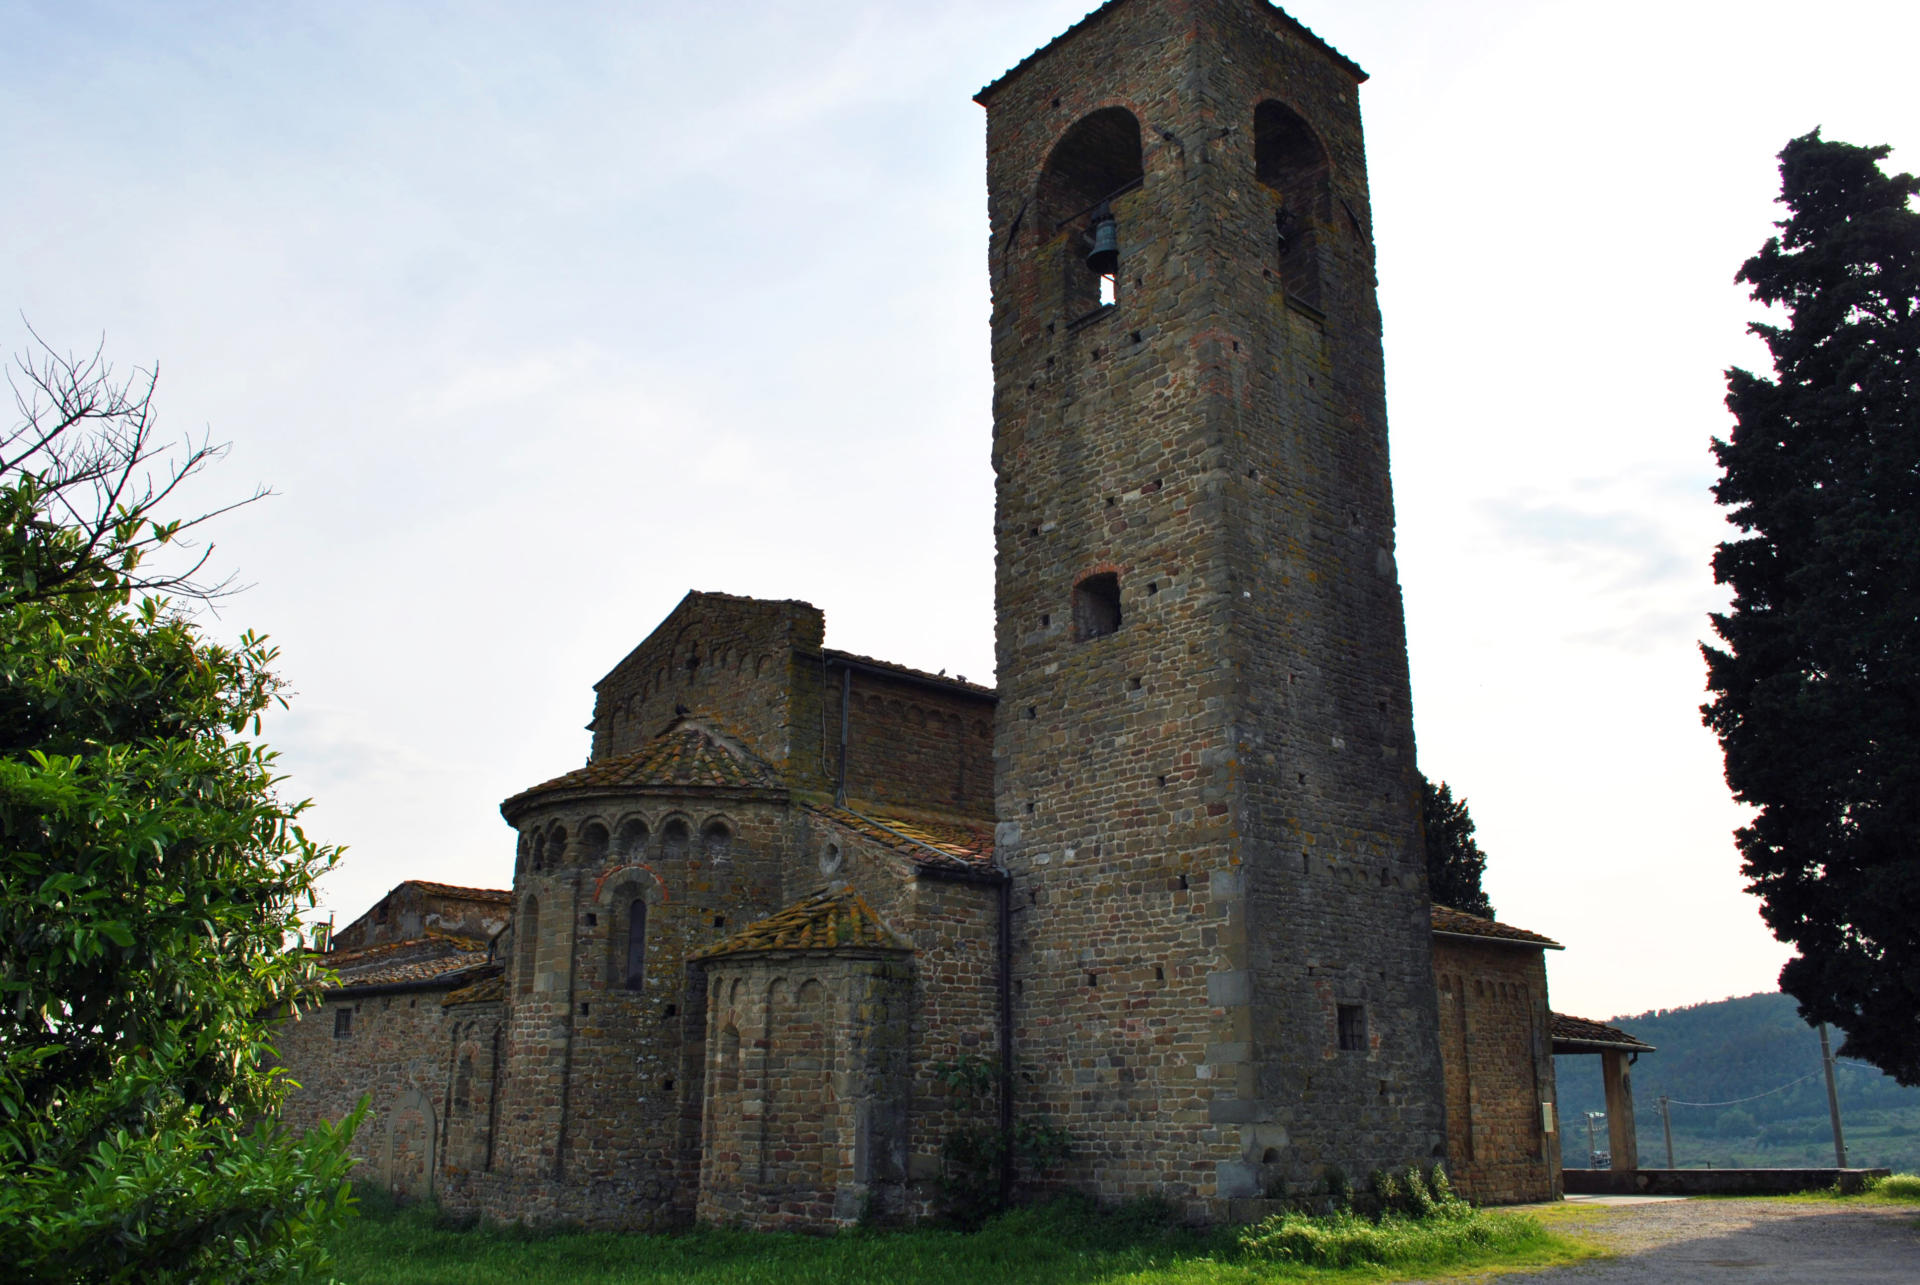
1666 1125
1833 1100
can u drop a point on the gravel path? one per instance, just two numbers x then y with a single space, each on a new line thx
1776 1241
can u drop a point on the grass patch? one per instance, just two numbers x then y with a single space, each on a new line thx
1066 1242
1898 1189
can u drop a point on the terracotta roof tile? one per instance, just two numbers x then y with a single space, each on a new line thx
501 895
686 755
488 989
417 959
954 844
1458 923
826 920
1580 1034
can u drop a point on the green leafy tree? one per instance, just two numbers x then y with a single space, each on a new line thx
1816 690
1455 864
150 879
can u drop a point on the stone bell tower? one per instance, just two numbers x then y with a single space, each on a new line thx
1204 749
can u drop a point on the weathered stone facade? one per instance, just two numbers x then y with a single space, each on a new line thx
1204 749
1166 881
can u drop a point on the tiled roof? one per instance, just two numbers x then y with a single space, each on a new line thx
1578 1033
418 959
501 895
954 845
945 680
1449 922
685 755
489 988
1352 66
826 920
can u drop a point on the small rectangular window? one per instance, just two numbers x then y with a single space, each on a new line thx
1353 1028
1096 606
342 1023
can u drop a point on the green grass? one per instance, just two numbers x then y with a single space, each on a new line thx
1899 1189
1065 1243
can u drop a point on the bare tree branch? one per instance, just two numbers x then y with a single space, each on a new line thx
83 477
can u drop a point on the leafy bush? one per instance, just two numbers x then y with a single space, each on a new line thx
975 1151
1421 1220
1901 1186
151 883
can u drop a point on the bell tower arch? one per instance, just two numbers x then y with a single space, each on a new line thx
1204 751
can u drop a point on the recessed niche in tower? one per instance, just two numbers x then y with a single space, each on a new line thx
1289 160
1096 606
1095 162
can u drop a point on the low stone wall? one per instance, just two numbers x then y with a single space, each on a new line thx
1715 1182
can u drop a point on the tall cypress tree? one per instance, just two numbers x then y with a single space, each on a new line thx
1455 864
1816 691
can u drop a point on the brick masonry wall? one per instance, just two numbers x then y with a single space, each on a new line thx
731 659
1180 966
1496 1043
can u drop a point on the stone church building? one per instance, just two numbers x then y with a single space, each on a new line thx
1165 883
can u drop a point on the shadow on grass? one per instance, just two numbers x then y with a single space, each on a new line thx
1066 1242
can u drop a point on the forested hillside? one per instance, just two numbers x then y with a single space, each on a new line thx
1744 1076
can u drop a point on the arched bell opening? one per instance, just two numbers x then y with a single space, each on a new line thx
1291 163
1095 163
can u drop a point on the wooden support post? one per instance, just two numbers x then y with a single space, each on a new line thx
1621 1140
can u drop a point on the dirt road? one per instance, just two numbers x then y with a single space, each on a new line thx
1779 1242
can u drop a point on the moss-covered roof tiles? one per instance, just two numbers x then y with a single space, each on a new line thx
952 844
501 895
489 988
683 757
826 920
1448 922
417 959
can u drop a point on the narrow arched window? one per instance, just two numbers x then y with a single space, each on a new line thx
526 943
594 842
636 944
676 839
718 842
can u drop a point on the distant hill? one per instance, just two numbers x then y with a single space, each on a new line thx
1742 1058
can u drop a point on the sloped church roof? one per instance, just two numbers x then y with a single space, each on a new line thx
688 755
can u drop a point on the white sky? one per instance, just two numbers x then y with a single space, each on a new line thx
536 317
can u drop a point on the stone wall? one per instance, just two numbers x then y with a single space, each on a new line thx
414 909
915 745
1496 1046
1203 745
806 1088
599 1100
393 1048
732 659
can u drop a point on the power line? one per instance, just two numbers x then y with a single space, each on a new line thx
1755 1098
